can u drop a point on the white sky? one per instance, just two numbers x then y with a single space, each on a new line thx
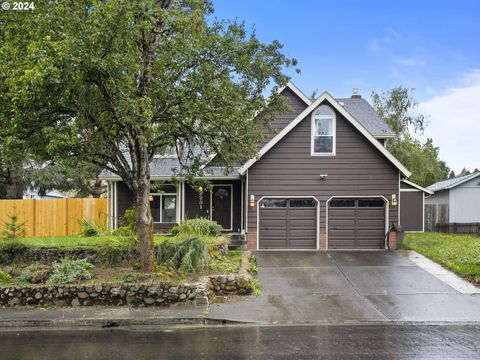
454 123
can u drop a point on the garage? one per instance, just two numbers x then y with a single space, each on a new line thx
356 223
287 223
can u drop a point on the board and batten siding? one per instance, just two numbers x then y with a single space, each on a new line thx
288 169
411 208
465 202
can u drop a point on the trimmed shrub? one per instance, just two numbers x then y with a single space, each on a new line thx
69 271
199 227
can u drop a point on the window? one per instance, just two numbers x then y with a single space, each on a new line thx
323 131
371 203
304 203
273 203
342 203
283 203
164 206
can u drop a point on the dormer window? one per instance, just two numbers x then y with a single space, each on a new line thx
323 131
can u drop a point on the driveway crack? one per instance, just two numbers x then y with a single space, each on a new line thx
356 290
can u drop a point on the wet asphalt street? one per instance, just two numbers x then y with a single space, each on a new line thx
247 342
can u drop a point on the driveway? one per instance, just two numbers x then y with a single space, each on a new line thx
348 287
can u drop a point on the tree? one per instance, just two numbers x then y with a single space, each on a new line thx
115 82
451 175
398 107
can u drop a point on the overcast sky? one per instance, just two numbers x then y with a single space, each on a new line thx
432 46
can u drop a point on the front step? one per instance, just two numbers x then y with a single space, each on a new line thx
237 242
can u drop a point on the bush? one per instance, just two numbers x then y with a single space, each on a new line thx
12 247
69 271
199 227
186 256
34 274
5 278
90 228
175 230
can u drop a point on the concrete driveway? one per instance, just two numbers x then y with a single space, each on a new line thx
348 287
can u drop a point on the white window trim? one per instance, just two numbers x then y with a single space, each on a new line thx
334 133
161 210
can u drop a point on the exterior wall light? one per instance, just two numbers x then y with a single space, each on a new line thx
200 197
394 200
252 201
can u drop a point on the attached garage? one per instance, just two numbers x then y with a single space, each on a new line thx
356 223
287 223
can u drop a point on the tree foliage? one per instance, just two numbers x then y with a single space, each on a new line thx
112 83
398 107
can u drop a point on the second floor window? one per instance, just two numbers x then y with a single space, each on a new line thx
323 131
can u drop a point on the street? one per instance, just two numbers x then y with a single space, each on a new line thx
246 342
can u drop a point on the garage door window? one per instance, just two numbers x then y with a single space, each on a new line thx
292 203
371 203
342 203
273 203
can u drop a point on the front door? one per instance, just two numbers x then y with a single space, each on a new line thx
222 206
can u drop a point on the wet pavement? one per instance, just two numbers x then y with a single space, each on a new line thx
342 287
247 342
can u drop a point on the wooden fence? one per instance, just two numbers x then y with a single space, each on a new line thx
58 217
435 214
459 228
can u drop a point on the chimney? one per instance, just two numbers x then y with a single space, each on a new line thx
355 94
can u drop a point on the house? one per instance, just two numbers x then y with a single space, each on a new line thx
456 200
34 194
322 180
412 206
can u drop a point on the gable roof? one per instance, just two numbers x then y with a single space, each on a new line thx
366 114
326 96
297 92
412 184
451 183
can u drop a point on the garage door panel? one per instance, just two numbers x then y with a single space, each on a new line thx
356 227
288 227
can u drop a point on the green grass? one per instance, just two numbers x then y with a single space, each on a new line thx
459 253
227 264
66 241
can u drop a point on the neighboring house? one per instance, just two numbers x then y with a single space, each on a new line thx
460 196
322 180
412 206
33 194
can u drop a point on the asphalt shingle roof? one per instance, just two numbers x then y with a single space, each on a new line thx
366 115
451 183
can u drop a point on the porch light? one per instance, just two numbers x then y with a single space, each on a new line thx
394 200
150 198
200 197
252 201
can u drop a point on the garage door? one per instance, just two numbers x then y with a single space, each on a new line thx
356 224
287 224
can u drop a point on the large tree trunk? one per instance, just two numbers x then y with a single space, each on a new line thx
15 186
144 216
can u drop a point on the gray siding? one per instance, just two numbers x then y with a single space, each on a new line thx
438 198
281 120
288 169
125 200
465 202
192 208
411 210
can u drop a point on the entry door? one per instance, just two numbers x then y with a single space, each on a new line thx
222 206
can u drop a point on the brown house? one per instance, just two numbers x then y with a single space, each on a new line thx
322 180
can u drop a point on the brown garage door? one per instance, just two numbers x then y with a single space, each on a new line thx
287 224
356 224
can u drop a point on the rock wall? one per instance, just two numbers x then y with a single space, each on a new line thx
156 294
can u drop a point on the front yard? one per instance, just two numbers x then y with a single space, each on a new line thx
459 253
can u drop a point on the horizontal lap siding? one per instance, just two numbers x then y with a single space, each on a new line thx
288 169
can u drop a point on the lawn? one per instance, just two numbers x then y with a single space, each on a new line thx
459 253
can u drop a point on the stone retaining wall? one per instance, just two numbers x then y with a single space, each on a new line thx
122 256
125 294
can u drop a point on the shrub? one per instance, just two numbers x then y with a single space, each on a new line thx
12 247
200 227
34 274
14 229
175 230
5 278
69 271
90 228
186 256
